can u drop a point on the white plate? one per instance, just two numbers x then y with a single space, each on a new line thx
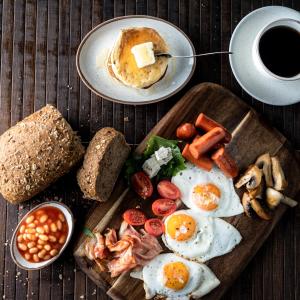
16 255
95 47
259 85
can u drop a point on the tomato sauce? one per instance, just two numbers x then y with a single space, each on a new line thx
42 234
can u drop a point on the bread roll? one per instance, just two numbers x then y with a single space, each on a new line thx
36 152
102 164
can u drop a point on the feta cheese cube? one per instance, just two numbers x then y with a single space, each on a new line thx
143 54
163 155
151 167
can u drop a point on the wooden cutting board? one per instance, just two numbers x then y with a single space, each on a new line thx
251 137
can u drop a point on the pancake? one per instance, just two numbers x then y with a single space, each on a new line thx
122 64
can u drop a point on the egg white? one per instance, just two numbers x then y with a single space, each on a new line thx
201 280
213 237
229 203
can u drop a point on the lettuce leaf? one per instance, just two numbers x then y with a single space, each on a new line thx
175 165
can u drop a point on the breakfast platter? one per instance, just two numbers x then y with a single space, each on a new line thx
174 214
247 128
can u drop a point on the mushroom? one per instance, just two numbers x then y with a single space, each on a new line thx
259 209
274 197
246 204
252 178
258 192
280 182
264 163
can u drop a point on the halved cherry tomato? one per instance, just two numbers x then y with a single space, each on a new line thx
168 190
163 207
142 184
154 227
134 217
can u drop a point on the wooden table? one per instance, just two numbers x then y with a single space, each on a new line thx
38 46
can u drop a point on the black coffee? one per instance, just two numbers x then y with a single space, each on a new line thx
279 49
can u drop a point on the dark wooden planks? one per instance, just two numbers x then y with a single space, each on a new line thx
40 55
7 268
17 114
37 61
85 94
96 102
74 35
32 283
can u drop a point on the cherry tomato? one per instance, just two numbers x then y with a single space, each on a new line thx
168 190
142 184
134 217
154 227
163 207
186 131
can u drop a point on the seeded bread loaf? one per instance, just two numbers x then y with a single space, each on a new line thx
36 152
102 164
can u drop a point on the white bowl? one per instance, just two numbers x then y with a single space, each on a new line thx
16 255
94 49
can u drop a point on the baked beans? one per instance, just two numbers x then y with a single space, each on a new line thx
42 234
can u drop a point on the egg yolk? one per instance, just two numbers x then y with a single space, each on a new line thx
181 227
176 275
206 196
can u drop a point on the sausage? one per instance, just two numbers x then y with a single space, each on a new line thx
206 142
215 147
203 162
207 124
186 131
225 162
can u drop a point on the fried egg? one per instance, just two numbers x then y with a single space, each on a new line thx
208 193
199 238
174 277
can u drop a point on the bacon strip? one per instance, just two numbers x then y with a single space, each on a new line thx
132 249
100 250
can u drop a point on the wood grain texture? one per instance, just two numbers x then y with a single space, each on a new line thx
252 136
38 42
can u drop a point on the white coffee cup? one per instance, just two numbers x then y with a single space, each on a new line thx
286 22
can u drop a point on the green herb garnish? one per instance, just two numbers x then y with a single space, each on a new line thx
88 232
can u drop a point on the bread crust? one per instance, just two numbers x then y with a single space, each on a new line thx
102 164
36 152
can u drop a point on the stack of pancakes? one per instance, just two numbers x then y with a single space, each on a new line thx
122 64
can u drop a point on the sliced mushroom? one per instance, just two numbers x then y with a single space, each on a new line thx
264 163
259 209
274 197
246 204
252 178
280 182
259 191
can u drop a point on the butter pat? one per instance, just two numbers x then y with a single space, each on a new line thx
143 54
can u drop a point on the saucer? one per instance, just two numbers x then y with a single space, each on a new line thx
265 88
93 51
